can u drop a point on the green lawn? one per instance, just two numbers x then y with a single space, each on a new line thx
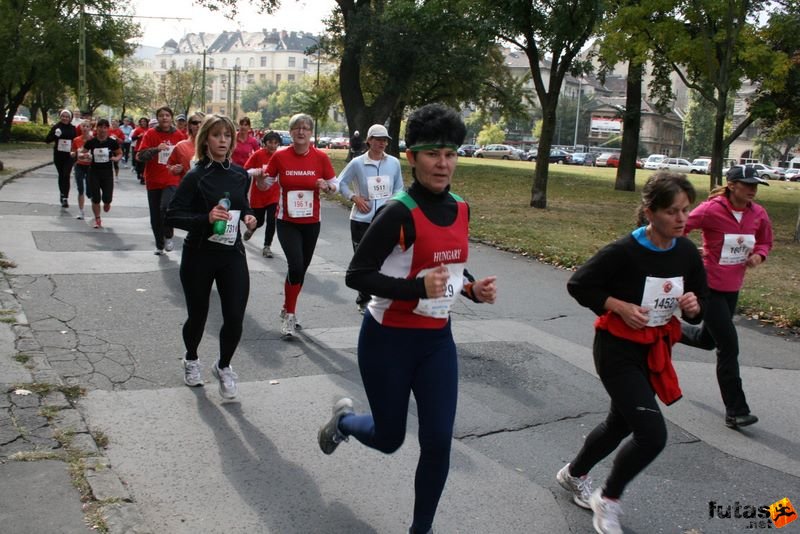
584 213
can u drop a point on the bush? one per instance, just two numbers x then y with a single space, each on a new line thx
29 131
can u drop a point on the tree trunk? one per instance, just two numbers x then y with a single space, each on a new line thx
718 142
631 123
394 129
539 189
797 227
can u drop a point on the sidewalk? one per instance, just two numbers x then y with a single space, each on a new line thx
37 492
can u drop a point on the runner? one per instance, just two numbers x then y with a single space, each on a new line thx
62 133
82 167
180 161
115 132
636 286
412 261
209 257
103 151
264 203
368 181
155 149
737 235
246 143
136 138
127 130
302 172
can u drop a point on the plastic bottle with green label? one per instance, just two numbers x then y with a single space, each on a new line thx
220 226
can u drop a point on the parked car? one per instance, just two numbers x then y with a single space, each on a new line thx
762 171
467 150
559 156
498 152
286 138
339 142
793 175
323 142
581 158
653 160
20 119
676 165
602 159
700 166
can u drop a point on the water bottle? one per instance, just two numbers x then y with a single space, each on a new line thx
220 226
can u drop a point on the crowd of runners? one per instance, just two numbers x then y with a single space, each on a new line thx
220 182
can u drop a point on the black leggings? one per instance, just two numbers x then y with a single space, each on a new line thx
298 242
158 200
622 367
266 214
719 332
63 162
199 269
357 231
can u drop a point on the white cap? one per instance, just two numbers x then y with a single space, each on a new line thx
378 130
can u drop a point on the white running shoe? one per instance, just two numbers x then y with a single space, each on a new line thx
192 375
288 325
81 215
227 381
606 513
159 252
266 252
580 487
329 436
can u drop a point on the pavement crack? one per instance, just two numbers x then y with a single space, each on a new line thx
478 435
559 316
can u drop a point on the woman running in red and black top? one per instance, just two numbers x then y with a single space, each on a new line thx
411 260
302 171
264 203
637 286
155 149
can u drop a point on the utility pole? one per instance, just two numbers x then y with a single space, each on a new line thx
235 114
82 60
203 84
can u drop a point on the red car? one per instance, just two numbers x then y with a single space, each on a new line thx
613 161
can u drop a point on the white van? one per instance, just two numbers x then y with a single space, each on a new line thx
653 160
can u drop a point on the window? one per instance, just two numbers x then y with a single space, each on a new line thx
172 64
251 78
277 78
262 76
251 62
263 61
211 62
290 77
292 61
224 62
164 64
305 63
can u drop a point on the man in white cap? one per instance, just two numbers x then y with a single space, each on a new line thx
369 180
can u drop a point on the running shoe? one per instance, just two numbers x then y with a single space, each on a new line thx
329 435
227 381
64 202
606 513
106 207
98 223
580 487
288 325
297 325
169 246
192 375
80 215
266 252
735 421
159 252
247 235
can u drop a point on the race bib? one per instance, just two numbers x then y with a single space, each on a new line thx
300 204
163 155
439 308
229 237
660 298
64 145
100 155
736 248
379 187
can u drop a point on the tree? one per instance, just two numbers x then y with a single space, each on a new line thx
698 126
41 38
551 34
714 46
179 89
491 134
317 98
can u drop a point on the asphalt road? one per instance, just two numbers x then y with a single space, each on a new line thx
108 315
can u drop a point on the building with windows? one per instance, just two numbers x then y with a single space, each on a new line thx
235 60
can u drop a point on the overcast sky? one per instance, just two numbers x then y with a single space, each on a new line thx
297 15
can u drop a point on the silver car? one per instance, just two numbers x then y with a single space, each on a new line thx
498 152
676 165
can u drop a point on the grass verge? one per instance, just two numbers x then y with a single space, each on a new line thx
585 212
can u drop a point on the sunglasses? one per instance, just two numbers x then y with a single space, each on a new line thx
194 123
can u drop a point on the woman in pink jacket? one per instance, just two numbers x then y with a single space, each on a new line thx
737 235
